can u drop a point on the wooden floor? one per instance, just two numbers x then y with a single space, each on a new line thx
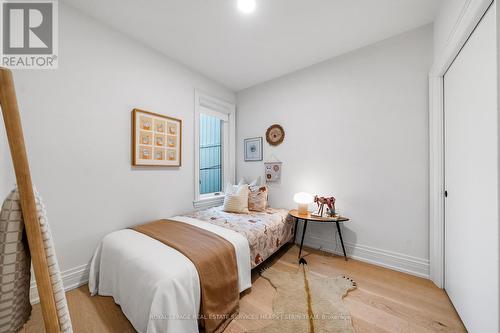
385 300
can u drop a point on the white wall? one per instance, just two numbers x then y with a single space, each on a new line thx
77 126
356 127
4 162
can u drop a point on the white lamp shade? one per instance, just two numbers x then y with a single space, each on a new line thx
303 198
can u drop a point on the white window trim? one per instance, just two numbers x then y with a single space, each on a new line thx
207 104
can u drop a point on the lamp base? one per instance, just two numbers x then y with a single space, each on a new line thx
303 209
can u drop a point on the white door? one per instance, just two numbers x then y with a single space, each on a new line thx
471 180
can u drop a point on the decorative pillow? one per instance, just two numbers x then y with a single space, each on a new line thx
255 182
236 199
257 198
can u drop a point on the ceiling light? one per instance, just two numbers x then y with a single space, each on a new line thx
246 6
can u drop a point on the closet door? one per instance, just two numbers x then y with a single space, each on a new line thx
471 180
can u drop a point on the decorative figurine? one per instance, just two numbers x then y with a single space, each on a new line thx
322 201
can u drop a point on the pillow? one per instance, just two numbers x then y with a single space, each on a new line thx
236 199
255 182
257 198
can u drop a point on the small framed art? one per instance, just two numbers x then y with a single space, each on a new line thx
253 149
156 139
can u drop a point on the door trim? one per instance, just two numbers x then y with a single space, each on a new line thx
470 16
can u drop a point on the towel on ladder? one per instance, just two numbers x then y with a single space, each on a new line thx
15 263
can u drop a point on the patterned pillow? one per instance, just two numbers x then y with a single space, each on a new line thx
236 199
257 198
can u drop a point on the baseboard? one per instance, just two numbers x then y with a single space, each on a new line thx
72 278
395 261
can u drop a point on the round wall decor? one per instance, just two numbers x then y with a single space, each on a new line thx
275 135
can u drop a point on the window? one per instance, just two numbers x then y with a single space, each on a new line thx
214 149
211 157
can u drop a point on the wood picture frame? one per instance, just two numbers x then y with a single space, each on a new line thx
156 139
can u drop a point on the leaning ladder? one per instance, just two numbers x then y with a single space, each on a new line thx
12 120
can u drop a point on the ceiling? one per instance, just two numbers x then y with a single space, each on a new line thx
241 50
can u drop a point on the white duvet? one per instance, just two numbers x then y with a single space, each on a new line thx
156 286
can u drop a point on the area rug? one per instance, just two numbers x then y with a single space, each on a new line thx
308 303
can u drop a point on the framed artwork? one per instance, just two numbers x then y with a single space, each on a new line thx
156 139
253 149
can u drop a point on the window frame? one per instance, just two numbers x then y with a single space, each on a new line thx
225 111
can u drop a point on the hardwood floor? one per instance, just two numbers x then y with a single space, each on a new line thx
385 300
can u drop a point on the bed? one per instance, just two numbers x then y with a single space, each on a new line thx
158 288
265 231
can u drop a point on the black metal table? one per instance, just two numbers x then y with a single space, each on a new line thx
308 217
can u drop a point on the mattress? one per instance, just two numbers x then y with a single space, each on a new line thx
265 231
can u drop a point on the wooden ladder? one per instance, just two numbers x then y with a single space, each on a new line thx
12 120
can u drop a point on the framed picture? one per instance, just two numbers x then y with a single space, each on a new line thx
253 149
156 139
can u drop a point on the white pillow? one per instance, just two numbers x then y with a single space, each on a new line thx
255 182
236 199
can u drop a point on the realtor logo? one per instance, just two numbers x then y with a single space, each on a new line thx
29 34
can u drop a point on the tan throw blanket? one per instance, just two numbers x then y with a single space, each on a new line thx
214 259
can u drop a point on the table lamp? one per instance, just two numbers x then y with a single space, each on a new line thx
303 199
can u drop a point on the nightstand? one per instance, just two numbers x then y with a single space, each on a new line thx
308 217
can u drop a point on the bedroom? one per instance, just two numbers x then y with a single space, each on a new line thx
357 91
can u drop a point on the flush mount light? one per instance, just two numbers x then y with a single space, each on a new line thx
246 6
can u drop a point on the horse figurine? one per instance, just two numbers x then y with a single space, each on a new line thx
322 201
